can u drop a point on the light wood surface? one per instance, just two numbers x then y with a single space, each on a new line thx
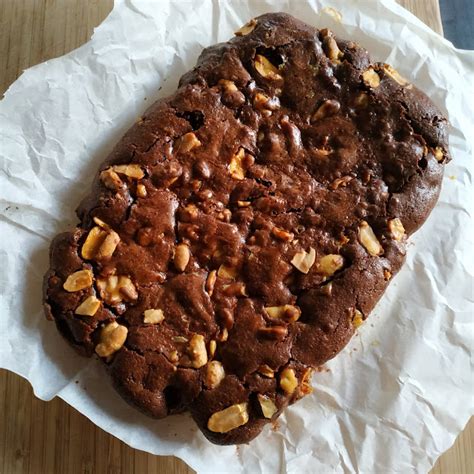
38 437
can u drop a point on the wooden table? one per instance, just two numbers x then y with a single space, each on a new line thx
38 437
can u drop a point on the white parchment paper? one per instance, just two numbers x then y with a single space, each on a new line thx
397 396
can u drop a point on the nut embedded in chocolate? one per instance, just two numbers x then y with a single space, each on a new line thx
88 307
78 281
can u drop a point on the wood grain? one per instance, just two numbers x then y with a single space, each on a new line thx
38 437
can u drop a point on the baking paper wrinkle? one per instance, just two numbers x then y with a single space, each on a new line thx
397 396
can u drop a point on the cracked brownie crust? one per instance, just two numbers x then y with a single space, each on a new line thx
244 227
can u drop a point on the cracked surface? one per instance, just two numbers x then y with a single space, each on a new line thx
264 210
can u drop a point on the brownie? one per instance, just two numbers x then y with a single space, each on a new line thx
244 227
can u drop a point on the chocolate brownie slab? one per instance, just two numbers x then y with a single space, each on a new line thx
244 227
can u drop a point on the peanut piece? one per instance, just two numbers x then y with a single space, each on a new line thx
330 264
225 271
101 242
215 373
240 163
286 312
303 261
235 289
173 356
247 28
141 190
78 281
228 419
211 281
111 179
321 153
266 371
189 213
101 223
263 101
288 380
267 405
112 338
231 95
327 289
153 316
223 335
212 348
93 241
260 100
197 351
229 86
282 234
334 53
343 240
88 307
131 170
326 109
397 231
187 142
108 246
330 46
371 78
225 215
277 333
127 289
266 69
114 289
357 318
438 153
181 257
368 239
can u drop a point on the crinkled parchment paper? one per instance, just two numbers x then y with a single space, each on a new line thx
397 396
